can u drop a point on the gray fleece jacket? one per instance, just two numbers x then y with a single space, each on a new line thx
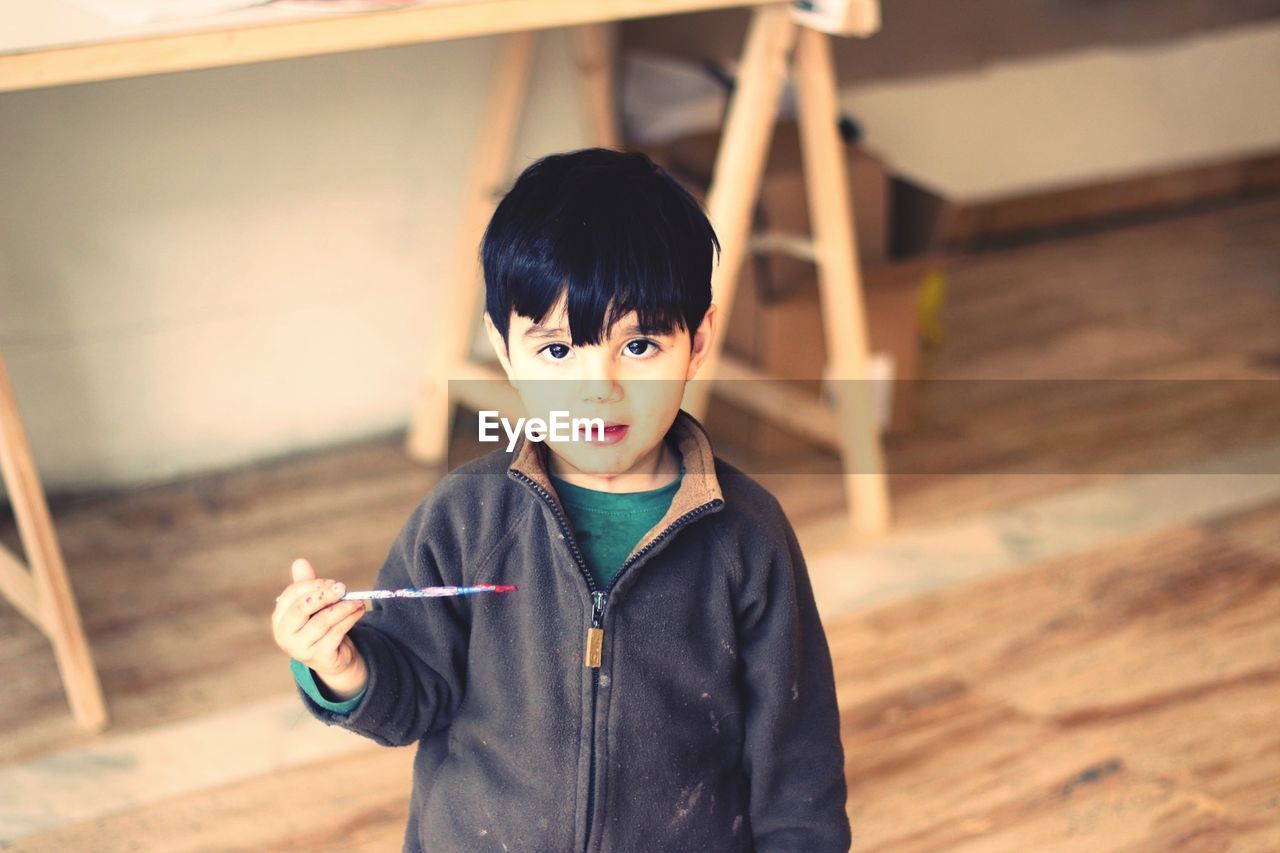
690 706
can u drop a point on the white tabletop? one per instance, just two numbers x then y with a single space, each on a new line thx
51 42
31 25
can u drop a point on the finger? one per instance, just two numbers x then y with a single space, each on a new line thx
286 598
307 603
320 623
293 592
324 654
311 599
326 648
302 569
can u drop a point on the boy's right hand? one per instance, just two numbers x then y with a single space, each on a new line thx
310 624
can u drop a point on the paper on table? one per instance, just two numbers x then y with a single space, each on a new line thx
345 5
146 11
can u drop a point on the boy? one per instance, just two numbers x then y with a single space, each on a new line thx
660 681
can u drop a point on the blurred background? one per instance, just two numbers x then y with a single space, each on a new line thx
221 295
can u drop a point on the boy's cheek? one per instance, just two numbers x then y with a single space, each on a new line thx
660 399
543 396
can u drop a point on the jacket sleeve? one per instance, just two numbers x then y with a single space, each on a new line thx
792 756
415 648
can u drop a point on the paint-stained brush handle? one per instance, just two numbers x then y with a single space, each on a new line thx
427 591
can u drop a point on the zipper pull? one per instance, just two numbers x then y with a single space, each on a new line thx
595 633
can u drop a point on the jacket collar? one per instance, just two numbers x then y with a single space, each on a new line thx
698 486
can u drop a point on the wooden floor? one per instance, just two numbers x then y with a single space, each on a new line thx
1115 689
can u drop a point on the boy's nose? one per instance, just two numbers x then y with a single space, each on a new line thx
600 387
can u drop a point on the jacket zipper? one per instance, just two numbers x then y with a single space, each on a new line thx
599 598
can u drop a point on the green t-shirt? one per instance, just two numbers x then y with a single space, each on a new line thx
607 526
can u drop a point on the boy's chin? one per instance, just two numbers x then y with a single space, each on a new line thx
598 461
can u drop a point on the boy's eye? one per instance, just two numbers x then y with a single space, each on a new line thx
558 351
645 347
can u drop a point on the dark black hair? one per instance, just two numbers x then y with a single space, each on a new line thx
610 227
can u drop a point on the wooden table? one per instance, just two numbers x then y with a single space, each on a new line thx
45 43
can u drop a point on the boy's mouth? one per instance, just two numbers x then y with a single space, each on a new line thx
613 433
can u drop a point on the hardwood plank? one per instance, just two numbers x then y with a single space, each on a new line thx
1126 701
362 805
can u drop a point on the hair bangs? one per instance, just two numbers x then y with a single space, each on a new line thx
608 234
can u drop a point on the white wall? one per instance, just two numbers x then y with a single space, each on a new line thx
1038 124
1030 125
207 268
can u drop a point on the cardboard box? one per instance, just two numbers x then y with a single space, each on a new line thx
786 339
783 207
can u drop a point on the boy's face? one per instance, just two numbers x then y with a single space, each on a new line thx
629 378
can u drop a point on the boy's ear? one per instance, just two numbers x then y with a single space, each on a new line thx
498 344
700 347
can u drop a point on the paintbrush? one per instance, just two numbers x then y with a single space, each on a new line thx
426 591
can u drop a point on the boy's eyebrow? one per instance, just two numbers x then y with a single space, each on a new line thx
636 329
536 331
539 331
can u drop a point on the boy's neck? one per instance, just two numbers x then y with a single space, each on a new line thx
659 467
